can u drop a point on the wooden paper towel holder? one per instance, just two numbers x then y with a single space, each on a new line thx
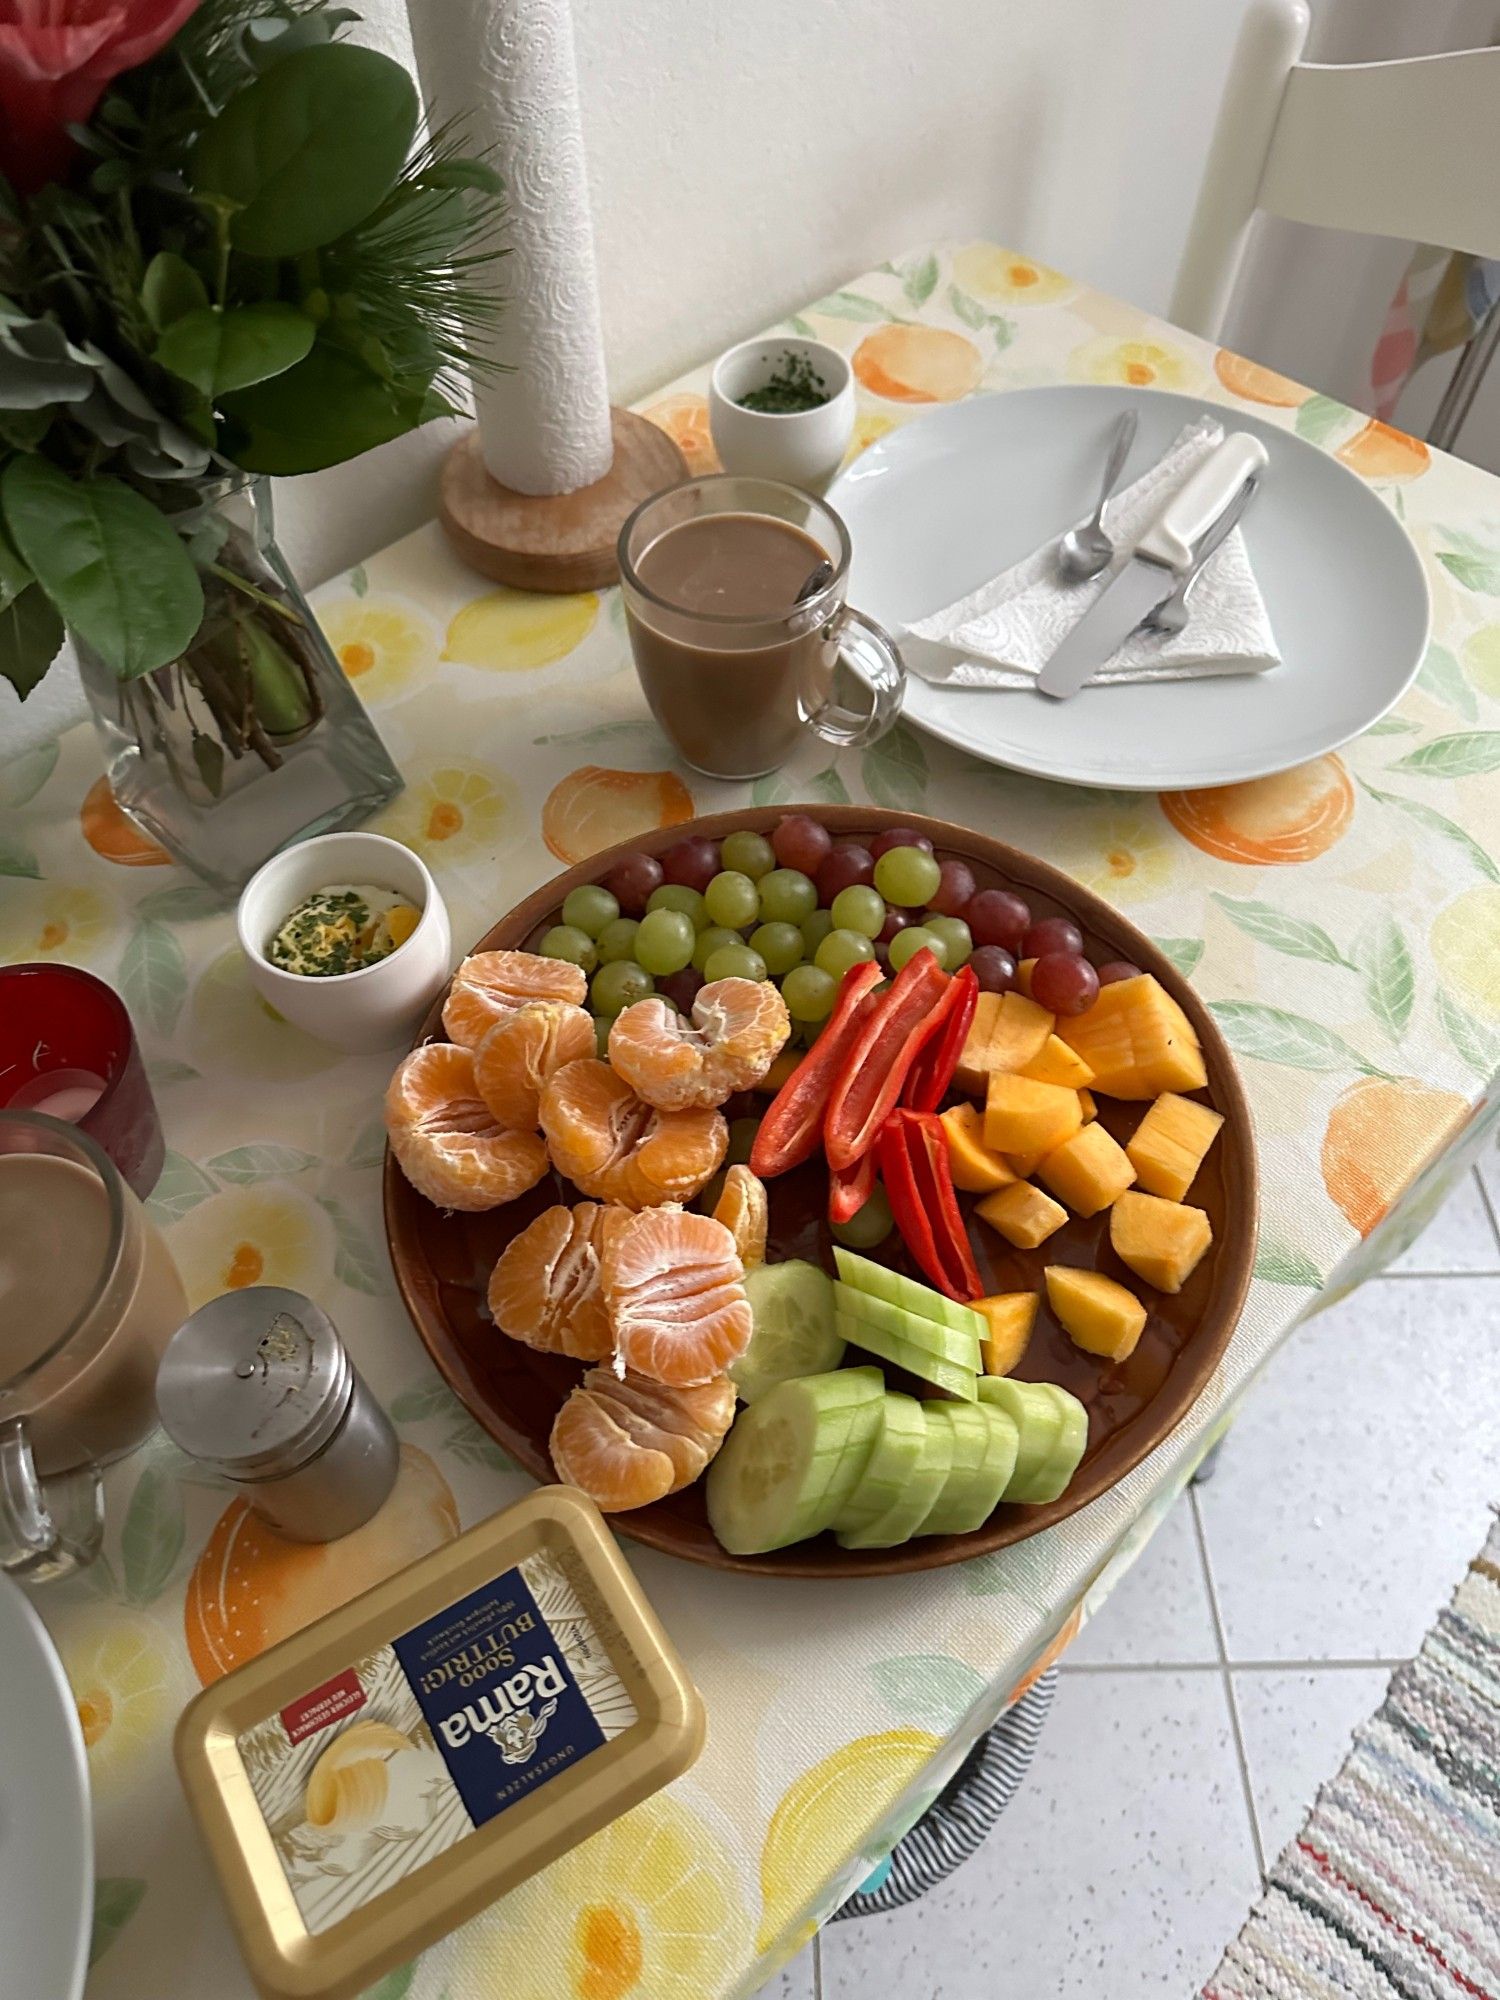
554 541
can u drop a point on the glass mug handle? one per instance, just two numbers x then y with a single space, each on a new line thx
871 650
48 1528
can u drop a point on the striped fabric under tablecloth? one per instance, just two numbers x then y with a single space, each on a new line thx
1392 1889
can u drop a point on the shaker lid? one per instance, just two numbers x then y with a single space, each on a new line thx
254 1382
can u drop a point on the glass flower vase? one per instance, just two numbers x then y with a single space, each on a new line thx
251 738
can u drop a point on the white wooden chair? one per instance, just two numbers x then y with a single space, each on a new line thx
1404 149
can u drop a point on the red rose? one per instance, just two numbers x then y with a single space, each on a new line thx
56 56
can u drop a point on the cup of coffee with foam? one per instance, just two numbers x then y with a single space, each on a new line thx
735 598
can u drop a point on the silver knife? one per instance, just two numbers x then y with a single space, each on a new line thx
1157 564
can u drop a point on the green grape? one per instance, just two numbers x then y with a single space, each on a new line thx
567 941
602 1025
749 853
619 985
712 940
867 1226
590 908
617 940
664 943
841 949
807 1032
953 934
674 896
780 945
786 896
709 1195
809 993
905 944
815 926
734 961
732 899
742 1133
859 908
908 876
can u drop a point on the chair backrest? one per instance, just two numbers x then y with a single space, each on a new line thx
1404 149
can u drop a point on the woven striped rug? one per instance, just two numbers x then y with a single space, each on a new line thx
1391 1891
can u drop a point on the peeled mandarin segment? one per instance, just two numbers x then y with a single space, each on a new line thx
689 1458
592 1452
492 983
447 1141
545 1288
673 1283
702 1412
1162 1241
614 1146
1087 1171
1136 1040
1170 1143
737 1029
1097 1314
745 1213
517 1055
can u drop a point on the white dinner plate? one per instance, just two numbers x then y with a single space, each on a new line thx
951 499
46 1840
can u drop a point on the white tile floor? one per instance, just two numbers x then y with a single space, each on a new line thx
1199 1713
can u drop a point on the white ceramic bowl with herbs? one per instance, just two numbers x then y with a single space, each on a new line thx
782 407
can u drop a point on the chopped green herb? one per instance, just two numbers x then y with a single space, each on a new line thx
795 385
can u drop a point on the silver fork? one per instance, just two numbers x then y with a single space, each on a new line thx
1171 615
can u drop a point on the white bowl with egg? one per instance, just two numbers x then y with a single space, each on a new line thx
803 447
375 1006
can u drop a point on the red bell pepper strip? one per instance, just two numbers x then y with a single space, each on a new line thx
793 1123
914 1167
850 1188
876 1067
932 1072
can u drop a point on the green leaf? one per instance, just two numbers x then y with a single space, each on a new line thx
24 776
179 905
182 1187
1480 573
368 1149
417 1406
355 1261
1385 964
1443 678
153 976
970 311
30 634
116 1900
112 565
1476 1045
1435 822
894 770
1319 417
927 1690
1297 937
1271 1035
1279 1265
244 1165
23 430
14 574
16 858
308 149
919 280
849 305
171 289
326 409
1183 952
219 351
395 1985
1469 754
151 1540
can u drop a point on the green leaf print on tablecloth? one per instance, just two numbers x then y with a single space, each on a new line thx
1470 754
23 777
1435 822
244 1165
181 1187
355 1260
927 1690
153 977
16 858
1443 678
166 1071
180 904
116 1900
1475 1044
1183 952
779 788
1297 937
394 1986
894 770
1385 964
849 305
368 1149
431 1399
1272 1035
1276 1264
919 280
151 1540
1320 417
1472 562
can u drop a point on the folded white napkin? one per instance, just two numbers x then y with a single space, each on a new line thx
1002 634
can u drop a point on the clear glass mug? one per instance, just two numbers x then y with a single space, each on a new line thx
733 693
89 1298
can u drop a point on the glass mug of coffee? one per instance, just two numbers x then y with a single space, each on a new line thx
735 599
89 1298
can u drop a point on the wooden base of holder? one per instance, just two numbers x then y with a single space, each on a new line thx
554 541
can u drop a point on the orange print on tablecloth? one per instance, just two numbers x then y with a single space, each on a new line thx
1268 822
113 835
1255 384
684 418
1380 451
1381 1133
1050 1654
918 364
593 808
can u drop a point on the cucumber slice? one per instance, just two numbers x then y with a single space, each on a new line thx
906 1513
1039 1422
792 1308
890 1347
910 1328
864 1429
1052 1480
879 1283
781 1472
896 1449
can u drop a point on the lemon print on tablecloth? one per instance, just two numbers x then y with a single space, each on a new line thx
685 420
127 1687
1135 364
52 920
1465 942
1268 822
386 646
513 631
234 1031
451 811
869 427
267 1235
1482 659
1123 856
592 808
812 1828
112 835
1381 1133
1005 278
918 364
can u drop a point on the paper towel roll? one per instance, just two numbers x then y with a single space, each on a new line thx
506 68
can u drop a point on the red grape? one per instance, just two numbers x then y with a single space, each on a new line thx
899 836
1051 934
632 880
1064 983
1117 969
954 890
801 843
895 920
996 916
993 968
883 957
693 862
682 987
847 865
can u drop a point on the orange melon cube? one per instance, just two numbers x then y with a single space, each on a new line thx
1007 1030
1168 1146
1096 1313
1023 976
1022 1116
1009 1317
1087 1105
1057 1063
1024 1165
973 1166
1162 1241
1022 1214
1088 1171
1136 1040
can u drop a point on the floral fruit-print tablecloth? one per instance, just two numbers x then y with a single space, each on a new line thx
1342 921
